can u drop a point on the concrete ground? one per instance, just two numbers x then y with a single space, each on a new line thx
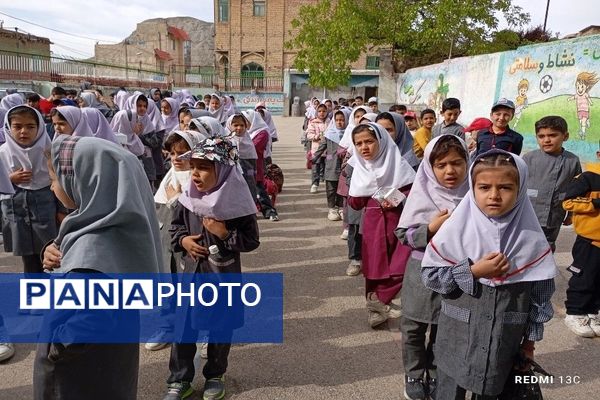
329 351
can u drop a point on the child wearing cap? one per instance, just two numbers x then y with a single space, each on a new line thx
499 135
449 126
551 168
412 122
471 131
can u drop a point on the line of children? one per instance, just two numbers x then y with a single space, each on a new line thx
440 184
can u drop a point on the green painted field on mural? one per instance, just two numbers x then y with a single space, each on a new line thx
560 106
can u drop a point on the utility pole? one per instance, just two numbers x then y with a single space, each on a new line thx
546 17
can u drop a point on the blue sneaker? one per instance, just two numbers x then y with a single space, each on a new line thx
214 389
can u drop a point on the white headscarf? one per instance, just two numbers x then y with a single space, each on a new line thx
269 121
178 178
76 119
469 233
386 170
32 158
427 196
8 102
115 228
246 148
212 126
332 132
171 121
99 125
346 141
122 124
257 123
223 112
121 99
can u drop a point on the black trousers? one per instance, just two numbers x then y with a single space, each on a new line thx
333 199
32 264
583 292
447 389
181 363
354 242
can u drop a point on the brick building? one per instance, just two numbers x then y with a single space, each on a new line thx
249 42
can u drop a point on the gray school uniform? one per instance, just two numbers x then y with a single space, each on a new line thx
354 216
481 327
547 184
333 164
418 303
452 129
28 220
164 214
249 171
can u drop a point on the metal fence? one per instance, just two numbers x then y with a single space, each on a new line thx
22 66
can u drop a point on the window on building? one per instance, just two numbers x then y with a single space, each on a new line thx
173 44
260 8
372 62
252 76
223 9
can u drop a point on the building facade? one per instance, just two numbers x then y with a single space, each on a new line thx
250 37
20 42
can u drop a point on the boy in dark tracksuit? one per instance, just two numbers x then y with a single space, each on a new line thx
583 294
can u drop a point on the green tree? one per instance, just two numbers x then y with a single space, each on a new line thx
331 35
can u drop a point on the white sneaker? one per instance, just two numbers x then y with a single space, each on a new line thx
354 268
580 325
595 323
314 188
157 341
7 350
334 215
344 235
203 347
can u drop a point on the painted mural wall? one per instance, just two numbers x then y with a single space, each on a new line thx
558 78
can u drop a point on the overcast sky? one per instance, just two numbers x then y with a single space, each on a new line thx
112 20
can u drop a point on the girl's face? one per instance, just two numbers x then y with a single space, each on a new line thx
340 121
23 129
61 126
322 113
178 149
165 107
329 105
214 103
186 121
316 103
239 127
182 120
428 121
358 114
389 127
450 170
141 107
366 144
58 190
496 190
580 87
204 174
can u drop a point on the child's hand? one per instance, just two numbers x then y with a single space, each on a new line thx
215 227
20 176
192 247
52 256
386 205
490 266
172 191
138 128
437 222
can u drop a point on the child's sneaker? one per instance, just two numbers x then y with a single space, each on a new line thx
157 341
580 325
179 391
376 319
354 268
431 388
595 323
7 350
344 235
414 389
334 215
203 347
214 389
314 188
